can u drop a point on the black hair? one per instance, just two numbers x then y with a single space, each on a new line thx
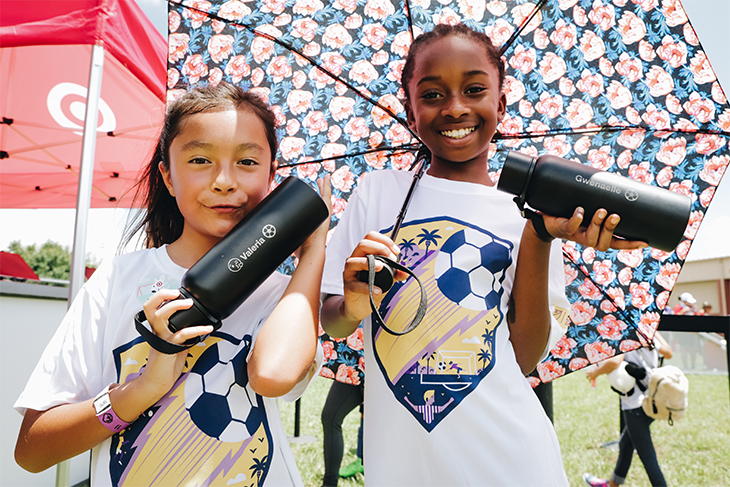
160 218
445 30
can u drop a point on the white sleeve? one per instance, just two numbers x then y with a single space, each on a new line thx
70 369
559 305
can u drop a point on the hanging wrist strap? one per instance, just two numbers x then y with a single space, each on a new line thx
420 312
162 346
538 223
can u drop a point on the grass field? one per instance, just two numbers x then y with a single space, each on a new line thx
693 452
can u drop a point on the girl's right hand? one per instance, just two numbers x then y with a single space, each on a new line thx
356 292
162 370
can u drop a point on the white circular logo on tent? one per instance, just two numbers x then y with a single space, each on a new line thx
77 109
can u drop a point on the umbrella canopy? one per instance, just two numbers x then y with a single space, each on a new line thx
620 85
44 71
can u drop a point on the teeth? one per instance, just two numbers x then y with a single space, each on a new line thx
457 134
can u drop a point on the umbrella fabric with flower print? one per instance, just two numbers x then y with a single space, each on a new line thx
620 85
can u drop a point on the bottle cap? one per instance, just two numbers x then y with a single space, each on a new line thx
516 173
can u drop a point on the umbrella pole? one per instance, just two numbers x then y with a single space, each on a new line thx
83 202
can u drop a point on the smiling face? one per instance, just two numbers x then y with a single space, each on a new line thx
220 169
455 104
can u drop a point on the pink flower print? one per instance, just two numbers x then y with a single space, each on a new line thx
533 381
197 17
602 15
274 6
564 35
601 158
564 347
683 249
397 134
569 248
659 255
334 133
195 68
257 76
499 32
279 69
305 29
496 8
374 37
672 151
526 108
633 115
624 159
657 118
237 68
700 108
674 105
376 160
701 70
338 207
343 179
261 49
685 188
695 218
706 196
592 46
629 345
177 47
552 106
706 144
315 122
557 146
629 67
446 16
617 297
354 341
308 171
402 161
511 125
570 274
674 53
610 328
326 373
590 83
603 272
336 36
299 101
552 67
523 59
674 14
173 21
579 16
298 79
375 139
291 147
472 9
380 58
717 94
215 76
640 294
631 138
540 39
581 313
346 5
663 298
577 363
380 117
550 370
353 21
579 113
631 258
566 86
598 352
520 14
690 36
641 172
379 9
631 28
606 67
234 10
582 145
625 275
347 375
328 348
588 290
668 275
589 253
341 108
307 7
724 120
357 128
173 75
664 177
363 72
659 81
332 150
649 321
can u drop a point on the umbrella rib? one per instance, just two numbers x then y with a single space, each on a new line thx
396 149
522 27
291 48
606 128
410 19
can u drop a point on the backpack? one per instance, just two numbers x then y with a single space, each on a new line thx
666 396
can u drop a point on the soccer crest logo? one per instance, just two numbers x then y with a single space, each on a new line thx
432 369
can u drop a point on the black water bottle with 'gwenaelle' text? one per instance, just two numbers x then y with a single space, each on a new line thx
237 265
557 186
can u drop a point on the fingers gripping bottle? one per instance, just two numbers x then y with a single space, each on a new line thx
557 186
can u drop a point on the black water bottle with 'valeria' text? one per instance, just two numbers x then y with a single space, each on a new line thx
557 186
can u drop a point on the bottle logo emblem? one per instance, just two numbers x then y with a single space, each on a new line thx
235 264
632 195
269 231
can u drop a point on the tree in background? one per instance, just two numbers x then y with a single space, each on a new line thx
52 260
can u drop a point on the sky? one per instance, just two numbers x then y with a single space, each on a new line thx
710 18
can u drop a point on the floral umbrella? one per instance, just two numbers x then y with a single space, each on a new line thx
620 85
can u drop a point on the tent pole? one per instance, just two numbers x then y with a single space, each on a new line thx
83 201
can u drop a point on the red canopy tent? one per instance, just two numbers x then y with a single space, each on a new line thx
14 266
45 53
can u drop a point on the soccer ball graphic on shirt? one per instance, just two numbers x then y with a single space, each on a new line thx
217 395
470 268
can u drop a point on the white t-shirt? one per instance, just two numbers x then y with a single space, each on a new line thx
211 428
447 403
648 358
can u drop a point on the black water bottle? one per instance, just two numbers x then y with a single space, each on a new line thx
557 186
240 262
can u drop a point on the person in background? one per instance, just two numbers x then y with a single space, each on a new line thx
706 309
686 305
636 435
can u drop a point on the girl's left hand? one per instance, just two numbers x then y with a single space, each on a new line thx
598 233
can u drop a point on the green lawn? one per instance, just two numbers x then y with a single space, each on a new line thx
693 452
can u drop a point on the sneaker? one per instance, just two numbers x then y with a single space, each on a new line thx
594 481
352 469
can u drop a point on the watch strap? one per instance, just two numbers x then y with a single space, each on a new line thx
106 414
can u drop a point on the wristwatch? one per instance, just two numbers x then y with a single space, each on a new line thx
105 413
